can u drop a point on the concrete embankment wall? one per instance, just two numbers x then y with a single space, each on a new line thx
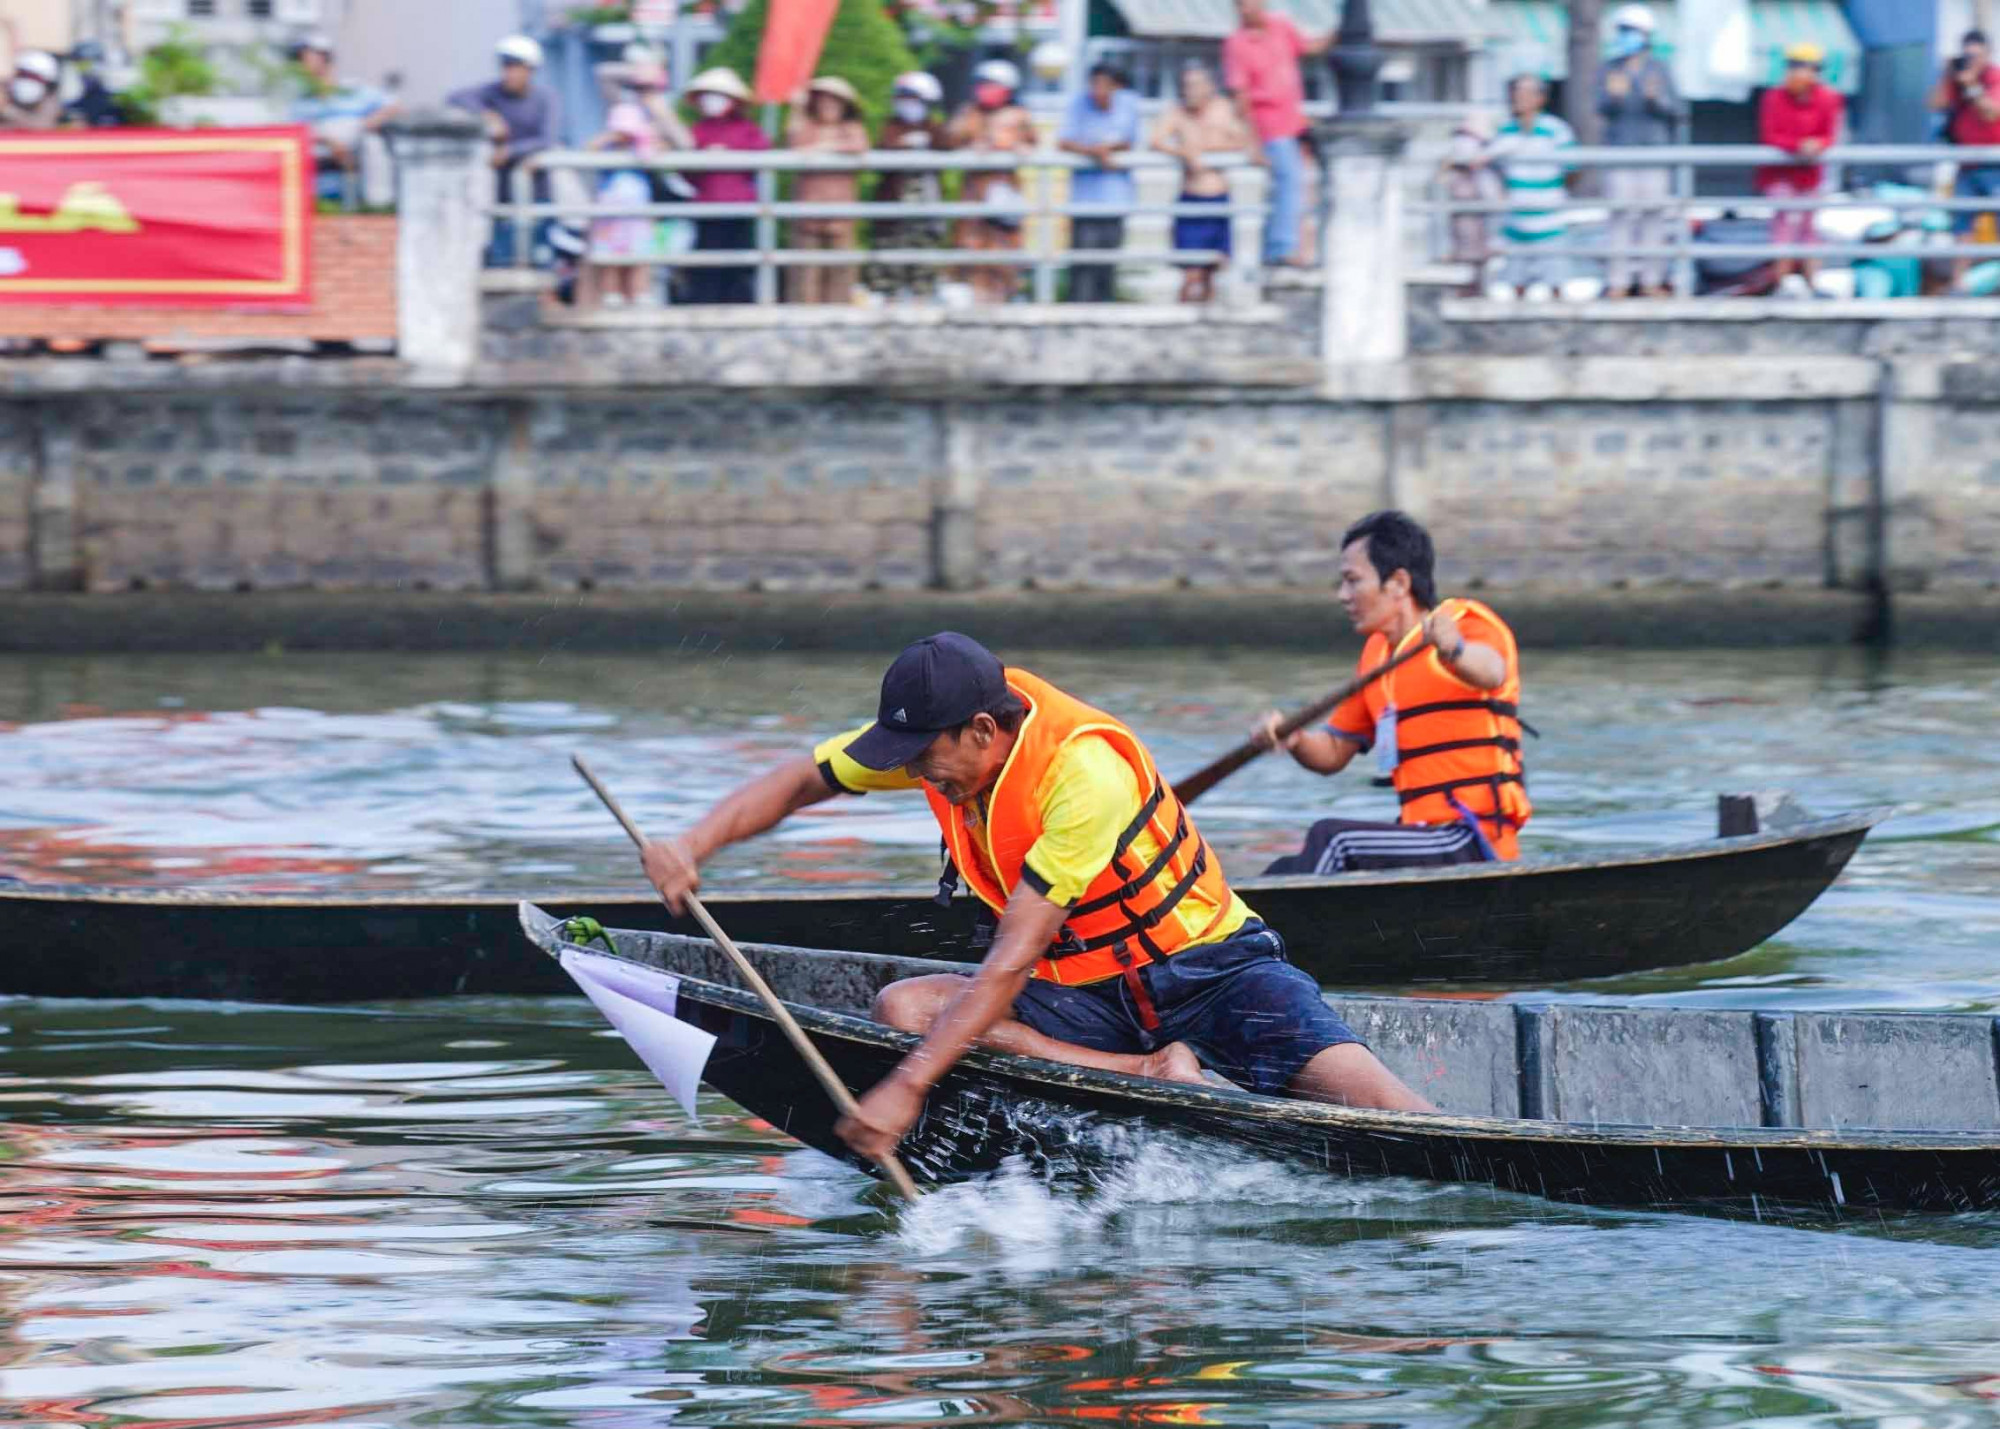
739 452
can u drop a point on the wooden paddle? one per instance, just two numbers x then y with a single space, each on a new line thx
892 1166
1202 780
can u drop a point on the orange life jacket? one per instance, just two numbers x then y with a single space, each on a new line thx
1458 749
1122 921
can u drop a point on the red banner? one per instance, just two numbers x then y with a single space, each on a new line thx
164 218
794 33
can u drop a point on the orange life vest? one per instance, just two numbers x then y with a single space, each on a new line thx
1122 921
1458 749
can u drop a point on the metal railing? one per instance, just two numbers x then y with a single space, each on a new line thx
1038 214
1685 210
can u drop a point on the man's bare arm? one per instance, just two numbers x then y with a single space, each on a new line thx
765 802
1028 925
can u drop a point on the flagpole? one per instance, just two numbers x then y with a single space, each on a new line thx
892 1166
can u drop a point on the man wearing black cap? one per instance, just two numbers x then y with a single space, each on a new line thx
1120 945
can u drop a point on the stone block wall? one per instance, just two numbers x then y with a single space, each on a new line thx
1031 452
280 491
1958 511
20 464
1147 492
702 491
1599 494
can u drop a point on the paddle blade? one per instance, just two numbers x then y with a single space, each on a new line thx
640 1003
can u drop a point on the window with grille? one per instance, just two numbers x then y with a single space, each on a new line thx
259 9
201 9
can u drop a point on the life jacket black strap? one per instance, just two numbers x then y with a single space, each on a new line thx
1130 887
1505 709
1494 781
947 877
1141 922
1143 818
1500 741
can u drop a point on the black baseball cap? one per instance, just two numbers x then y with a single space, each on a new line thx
936 684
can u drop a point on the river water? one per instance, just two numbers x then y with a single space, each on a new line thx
485 1212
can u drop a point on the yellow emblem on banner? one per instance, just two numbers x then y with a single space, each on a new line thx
84 205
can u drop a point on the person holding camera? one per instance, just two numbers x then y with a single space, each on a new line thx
1968 96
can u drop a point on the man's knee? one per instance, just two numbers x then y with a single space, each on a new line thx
912 1004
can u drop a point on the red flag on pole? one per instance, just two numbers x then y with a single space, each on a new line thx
794 33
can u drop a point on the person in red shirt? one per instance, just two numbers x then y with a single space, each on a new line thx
1968 95
1260 68
1803 116
722 101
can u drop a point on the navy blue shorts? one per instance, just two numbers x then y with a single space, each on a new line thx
1203 233
1247 1012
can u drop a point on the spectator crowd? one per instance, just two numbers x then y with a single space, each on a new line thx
1509 190
628 259
1511 181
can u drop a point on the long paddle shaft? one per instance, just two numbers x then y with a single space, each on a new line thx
1201 781
892 1167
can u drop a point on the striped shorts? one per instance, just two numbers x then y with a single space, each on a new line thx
1354 845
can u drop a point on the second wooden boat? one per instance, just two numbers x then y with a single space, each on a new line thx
1535 922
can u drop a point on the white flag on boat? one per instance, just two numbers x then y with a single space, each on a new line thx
639 1002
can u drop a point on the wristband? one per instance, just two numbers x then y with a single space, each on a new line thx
1456 652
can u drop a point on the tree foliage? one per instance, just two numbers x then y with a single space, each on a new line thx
864 47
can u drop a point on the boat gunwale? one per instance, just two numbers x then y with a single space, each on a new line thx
1831 827
544 930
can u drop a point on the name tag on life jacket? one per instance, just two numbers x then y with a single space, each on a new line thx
1386 755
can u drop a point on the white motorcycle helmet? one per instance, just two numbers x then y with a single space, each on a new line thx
1000 72
919 85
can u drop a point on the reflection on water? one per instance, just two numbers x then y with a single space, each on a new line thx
437 773
485 1213
488 1214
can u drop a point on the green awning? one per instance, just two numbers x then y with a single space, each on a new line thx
1465 23
1532 37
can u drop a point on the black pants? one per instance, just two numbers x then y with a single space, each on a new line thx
1354 845
723 285
1095 282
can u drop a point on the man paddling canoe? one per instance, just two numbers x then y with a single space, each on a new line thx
1120 945
1447 726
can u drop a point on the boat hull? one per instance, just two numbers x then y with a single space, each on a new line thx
1071 1122
1530 923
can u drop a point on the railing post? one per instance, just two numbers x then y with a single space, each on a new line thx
441 188
1045 236
1249 205
524 242
767 237
1365 302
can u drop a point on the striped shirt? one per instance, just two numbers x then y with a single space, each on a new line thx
1533 170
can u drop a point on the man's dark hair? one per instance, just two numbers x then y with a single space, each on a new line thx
1111 72
1396 543
1974 37
1008 711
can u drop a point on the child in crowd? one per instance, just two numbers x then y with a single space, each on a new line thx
630 129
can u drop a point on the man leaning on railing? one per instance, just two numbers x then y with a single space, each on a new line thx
1102 122
1803 116
1641 109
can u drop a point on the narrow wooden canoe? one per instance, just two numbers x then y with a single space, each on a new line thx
1549 1101
1538 922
